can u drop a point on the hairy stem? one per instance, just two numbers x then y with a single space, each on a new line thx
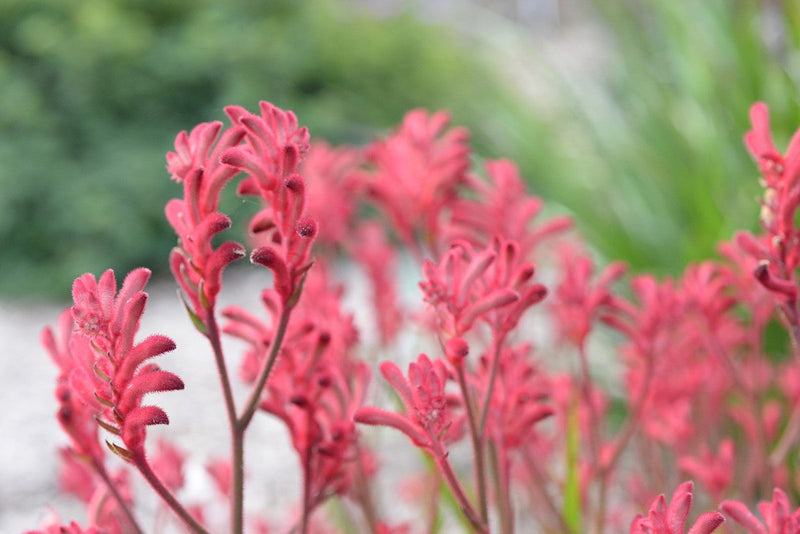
498 463
236 436
540 483
255 395
477 445
101 471
478 524
144 468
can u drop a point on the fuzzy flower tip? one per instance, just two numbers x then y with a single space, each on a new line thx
427 417
778 515
670 518
109 371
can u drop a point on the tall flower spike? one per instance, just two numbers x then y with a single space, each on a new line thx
112 376
779 256
196 265
671 519
415 173
282 233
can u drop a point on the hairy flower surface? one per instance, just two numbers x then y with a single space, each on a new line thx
671 518
113 376
427 418
416 171
196 264
777 514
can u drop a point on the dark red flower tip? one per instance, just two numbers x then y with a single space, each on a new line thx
456 349
306 227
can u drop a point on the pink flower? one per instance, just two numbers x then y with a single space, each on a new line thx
714 469
111 375
493 284
415 173
76 417
168 463
427 419
332 181
578 300
499 206
778 515
379 259
517 402
274 146
196 264
780 256
671 519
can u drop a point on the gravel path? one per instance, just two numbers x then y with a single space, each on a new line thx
30 435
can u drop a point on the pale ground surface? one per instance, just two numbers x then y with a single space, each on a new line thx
29 433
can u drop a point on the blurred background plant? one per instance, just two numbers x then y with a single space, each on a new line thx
628 114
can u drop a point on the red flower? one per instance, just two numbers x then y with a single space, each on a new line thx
416 172
493 284
196 265
671 519
427 418
111 375
778 515
270 157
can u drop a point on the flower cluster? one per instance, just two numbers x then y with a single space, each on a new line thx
646 382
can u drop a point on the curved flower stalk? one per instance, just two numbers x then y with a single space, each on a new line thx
415 173
113 377
196 264
427 422
779 253
274 146
671 518
777 515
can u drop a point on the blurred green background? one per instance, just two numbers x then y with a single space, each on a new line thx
627 114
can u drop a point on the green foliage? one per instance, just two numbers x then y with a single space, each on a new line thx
92 93
650 158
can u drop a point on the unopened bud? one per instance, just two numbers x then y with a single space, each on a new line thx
456 349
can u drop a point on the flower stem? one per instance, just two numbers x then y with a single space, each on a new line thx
255 395
101 471
478 524
236 436
477 445
144 468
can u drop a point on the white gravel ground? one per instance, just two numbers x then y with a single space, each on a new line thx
30 435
